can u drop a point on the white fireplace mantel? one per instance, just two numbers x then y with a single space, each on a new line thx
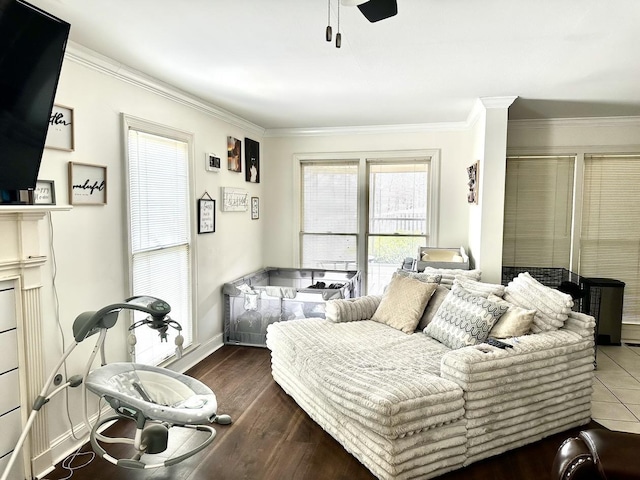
22 256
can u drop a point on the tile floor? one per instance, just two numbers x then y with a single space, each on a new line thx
616 390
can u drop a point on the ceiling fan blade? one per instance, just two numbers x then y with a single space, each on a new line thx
376 10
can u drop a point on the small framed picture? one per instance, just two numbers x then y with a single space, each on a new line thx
206 215
87 184
44 193
212 162
60 131
255 208
234 154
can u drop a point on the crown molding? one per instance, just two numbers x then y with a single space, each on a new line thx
580 122
366 129
105 65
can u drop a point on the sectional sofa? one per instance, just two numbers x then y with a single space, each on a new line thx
406 383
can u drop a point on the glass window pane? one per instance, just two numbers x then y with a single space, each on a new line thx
329 252
398 198
386 255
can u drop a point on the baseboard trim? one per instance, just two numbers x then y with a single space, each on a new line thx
630 333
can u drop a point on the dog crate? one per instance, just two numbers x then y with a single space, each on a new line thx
554 277
253 302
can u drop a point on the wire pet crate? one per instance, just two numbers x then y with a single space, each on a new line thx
548 276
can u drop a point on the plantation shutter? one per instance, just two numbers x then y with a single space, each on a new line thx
160 235
538 211
610 237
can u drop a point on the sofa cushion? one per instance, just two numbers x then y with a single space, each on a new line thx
352 309
464 319
552 306
403 303
515 322
423 277
449 274
432 306
479 288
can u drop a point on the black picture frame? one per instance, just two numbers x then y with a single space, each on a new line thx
206 215
44 193
251 161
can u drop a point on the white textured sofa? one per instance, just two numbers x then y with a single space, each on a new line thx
409 406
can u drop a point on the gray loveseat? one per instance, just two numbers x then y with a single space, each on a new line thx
408 405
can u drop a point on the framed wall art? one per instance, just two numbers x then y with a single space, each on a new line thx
44 193
234 199
206 214
87 184
234 154
251 161
473 172
60 131
255 208
212 162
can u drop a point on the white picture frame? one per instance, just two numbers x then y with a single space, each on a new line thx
255 208
60 135
234 199
212 162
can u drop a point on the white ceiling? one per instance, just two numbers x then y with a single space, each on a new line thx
268 62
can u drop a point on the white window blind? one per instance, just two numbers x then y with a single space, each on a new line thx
538 211
329 215
158 170
610 237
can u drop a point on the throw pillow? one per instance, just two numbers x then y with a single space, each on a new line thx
403 303
514 323
479 288
352 309
432 306
464 319
552 306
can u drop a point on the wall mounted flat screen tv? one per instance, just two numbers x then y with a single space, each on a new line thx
32 45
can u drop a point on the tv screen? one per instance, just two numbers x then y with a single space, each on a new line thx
32 45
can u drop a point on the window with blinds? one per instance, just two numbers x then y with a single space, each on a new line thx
364 214
159 228
538 211
610 236
329 235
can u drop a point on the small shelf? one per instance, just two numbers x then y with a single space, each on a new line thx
12 209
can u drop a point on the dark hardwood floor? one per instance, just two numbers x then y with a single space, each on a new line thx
272 438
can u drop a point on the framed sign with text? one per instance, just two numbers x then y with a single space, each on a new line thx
60 131
206 215
87 184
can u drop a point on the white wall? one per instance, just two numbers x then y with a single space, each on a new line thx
90 242
455 147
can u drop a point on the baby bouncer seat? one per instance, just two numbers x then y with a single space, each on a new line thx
155 398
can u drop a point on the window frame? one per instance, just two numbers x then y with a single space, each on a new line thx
130 122
363 158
